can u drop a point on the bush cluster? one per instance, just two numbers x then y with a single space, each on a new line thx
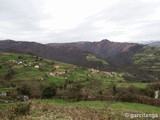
22 108
17 110
138 95
37 89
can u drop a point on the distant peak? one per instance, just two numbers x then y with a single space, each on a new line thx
105 40
8 40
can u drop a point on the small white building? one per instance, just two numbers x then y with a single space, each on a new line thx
156 94
36 66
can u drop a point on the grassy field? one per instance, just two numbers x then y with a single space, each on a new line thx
119 106
136 84
94 58
149 57
76 74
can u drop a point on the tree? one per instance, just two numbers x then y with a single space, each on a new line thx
9 74
49 91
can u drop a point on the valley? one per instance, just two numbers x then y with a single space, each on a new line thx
95 86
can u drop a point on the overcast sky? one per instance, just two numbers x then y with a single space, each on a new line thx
53 21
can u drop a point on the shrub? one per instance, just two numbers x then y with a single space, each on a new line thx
22 108
36 89
41 68
25 90
133 90
150 89
125 96
9 74
154 86
20 57
3 83
113 88
32 88
0 66
73 92
17 110
148 92
49 91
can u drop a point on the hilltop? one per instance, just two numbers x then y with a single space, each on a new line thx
106 50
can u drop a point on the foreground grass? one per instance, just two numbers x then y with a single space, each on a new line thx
118 106
57 109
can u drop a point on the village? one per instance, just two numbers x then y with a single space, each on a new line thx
57 70
38 65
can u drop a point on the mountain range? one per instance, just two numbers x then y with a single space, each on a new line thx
114 53
103 55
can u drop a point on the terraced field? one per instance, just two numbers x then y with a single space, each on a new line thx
149 58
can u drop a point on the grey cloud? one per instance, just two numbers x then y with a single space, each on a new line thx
126 11
21 14
130 16
124 14
149 32
20 19
83 32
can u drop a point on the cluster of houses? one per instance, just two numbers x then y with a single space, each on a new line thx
109 74
21 64
93 71
3 94
39 78
56 73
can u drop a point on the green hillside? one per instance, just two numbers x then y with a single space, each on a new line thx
147 63
94 58
54 85
149 56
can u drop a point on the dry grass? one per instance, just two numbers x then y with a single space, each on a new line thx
49 111
52 112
